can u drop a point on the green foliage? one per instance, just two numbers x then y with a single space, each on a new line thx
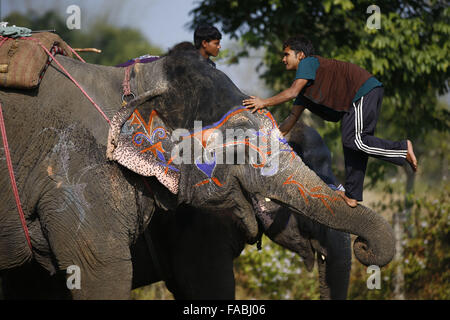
155 291
409 54
117 44
426 255
274 273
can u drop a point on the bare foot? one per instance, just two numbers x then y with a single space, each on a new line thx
350 202
410 157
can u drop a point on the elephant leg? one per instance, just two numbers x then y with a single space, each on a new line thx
109 282
335 267
99 271
212 279
88 243
196 250
32 282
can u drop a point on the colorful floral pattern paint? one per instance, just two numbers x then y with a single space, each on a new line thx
148 136
266 145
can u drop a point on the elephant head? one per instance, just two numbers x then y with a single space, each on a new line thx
189 130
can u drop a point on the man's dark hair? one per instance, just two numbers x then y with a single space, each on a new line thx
299 43
206 32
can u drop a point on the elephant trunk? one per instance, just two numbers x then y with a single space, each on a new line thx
303 191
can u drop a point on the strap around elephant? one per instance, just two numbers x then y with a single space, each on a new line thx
126 84
12 178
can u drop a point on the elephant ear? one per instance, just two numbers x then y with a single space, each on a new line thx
142 143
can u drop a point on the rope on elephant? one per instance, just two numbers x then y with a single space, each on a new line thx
76 54
71 78
12 178
5 140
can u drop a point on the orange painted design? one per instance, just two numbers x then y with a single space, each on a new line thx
204 135
216 181
202 183
168 163
216 127
251 146
322 197
299 186
269 115
154 148
163 129
139 120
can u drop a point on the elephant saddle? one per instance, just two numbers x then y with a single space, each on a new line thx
23 61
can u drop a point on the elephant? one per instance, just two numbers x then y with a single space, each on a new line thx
201 267
85 209
192 251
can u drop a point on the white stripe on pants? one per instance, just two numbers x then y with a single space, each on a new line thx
365 148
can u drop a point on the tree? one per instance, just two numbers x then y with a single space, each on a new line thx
408 54
117 44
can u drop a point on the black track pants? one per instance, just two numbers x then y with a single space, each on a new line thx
358 141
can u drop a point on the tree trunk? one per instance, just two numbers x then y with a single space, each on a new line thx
400 219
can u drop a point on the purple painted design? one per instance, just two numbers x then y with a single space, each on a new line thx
137 60
139 139
160 156
207 168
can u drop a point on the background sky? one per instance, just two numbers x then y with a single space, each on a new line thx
163 22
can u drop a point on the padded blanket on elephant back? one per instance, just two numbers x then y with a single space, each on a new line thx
23 61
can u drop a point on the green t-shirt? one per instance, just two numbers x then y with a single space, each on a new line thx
307 68
371 83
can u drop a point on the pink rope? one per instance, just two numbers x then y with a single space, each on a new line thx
126 81
76 54
71 78
5 140
13 180
3 40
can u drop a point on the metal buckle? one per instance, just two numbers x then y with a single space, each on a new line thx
126 101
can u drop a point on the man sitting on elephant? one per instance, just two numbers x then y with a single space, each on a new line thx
207 42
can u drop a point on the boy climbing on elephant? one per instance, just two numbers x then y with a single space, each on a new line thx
338 91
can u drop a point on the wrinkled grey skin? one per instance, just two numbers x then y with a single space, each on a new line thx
83 210
200 267
304 236
193 251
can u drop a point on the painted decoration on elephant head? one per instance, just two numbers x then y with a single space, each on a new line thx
149 136
267 143
257 141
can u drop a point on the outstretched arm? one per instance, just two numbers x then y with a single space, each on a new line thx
291 119
257 103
